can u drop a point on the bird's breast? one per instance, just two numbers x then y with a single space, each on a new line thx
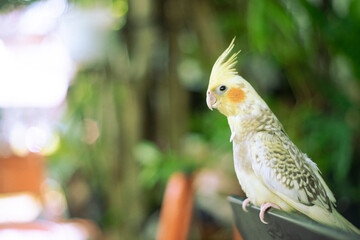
242 157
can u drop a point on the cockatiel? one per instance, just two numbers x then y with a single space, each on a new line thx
271 170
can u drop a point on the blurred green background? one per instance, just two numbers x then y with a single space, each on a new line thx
136 112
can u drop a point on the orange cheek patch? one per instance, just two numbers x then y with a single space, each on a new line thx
235 95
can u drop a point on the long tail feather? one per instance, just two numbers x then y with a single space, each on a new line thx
334 218
344 224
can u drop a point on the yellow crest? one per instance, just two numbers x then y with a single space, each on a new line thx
223 69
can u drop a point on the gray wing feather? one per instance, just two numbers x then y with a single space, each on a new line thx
286 170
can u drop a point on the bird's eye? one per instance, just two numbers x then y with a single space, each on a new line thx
222 88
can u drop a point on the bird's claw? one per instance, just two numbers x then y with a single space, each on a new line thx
264 208
245 203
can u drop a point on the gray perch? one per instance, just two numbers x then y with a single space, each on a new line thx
281 225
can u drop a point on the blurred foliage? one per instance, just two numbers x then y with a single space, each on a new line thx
148 95
12 4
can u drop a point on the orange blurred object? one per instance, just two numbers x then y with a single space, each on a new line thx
236 234
23 198
21 174
176 210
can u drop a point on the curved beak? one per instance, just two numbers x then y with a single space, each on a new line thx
210 100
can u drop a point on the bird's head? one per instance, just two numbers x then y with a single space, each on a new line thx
227 91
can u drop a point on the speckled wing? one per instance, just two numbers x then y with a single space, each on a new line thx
287 171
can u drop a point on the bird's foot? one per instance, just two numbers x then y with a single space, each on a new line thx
264 208
245 203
